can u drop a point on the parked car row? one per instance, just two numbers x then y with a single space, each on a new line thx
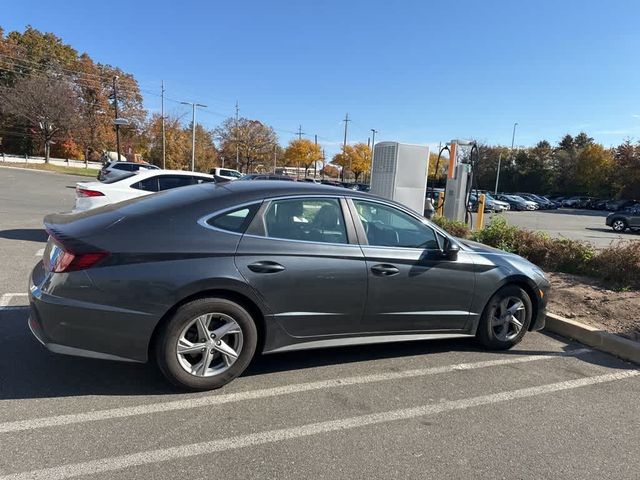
593 203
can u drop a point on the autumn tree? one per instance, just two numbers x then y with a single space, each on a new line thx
354 158
48 106
254 141
303 152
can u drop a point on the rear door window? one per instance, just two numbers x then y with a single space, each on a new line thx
167 182
148 184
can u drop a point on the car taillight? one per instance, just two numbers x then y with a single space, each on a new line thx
61 259
85 192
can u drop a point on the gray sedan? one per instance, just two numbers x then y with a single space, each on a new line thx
202 278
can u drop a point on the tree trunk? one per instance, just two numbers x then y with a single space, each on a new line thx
46 151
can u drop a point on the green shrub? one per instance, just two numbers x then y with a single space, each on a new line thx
618 265
455 228
499 234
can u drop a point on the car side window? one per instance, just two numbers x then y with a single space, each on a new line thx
148 184
199 180
234 220
167 182
122 166
307 219
387 226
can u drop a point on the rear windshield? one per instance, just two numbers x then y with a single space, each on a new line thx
120 178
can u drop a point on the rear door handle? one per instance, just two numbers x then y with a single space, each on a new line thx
384 270
265 266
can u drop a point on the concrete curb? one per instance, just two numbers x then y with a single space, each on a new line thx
594 337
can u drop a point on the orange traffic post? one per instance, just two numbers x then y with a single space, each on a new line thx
440 204
480 217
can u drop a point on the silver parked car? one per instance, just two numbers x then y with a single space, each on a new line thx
114 170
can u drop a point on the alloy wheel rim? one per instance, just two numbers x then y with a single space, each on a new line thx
209 345
618 225
507 318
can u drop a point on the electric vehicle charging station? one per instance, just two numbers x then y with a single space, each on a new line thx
459 178
399 172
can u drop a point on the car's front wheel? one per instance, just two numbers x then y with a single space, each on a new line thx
619 225
505 319
207 343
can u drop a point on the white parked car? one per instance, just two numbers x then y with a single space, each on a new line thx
96 194
225 173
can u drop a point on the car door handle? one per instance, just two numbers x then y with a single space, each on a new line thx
265 266
384 270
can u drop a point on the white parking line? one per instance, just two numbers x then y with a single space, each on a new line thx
111 464
6 298
208 401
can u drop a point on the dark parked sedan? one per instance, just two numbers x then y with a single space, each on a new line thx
201 278
629 218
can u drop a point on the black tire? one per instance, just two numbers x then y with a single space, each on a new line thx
619 225
486 333
167 341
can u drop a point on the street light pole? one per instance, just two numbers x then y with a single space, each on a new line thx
163 131
513 137
115 104
193 131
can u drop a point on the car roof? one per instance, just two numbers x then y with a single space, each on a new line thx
151 173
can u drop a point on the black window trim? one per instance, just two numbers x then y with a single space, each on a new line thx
362 236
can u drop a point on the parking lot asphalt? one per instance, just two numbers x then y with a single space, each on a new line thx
443 409
575 224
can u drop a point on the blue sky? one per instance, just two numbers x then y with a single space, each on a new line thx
417 71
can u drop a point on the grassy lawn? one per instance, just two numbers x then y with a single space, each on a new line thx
85 172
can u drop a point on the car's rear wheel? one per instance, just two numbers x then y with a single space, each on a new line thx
207 343
505 319
619 225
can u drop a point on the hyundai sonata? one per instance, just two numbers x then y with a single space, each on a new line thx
201 278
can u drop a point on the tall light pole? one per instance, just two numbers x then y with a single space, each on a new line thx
193 131
163 132
513 137
115 105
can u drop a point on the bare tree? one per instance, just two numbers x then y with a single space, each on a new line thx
49 105
254 140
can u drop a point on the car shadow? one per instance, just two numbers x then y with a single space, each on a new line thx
609 230
28 234
28 370
576 211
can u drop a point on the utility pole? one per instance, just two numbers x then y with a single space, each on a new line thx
163 132
323 163
373 138
300 132
275 157
115 104
315 162
193 131
236 135
344 143
513 137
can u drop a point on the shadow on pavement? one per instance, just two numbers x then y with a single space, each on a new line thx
609 230
28 370
29 234
576 211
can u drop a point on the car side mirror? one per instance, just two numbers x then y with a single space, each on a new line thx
451 250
